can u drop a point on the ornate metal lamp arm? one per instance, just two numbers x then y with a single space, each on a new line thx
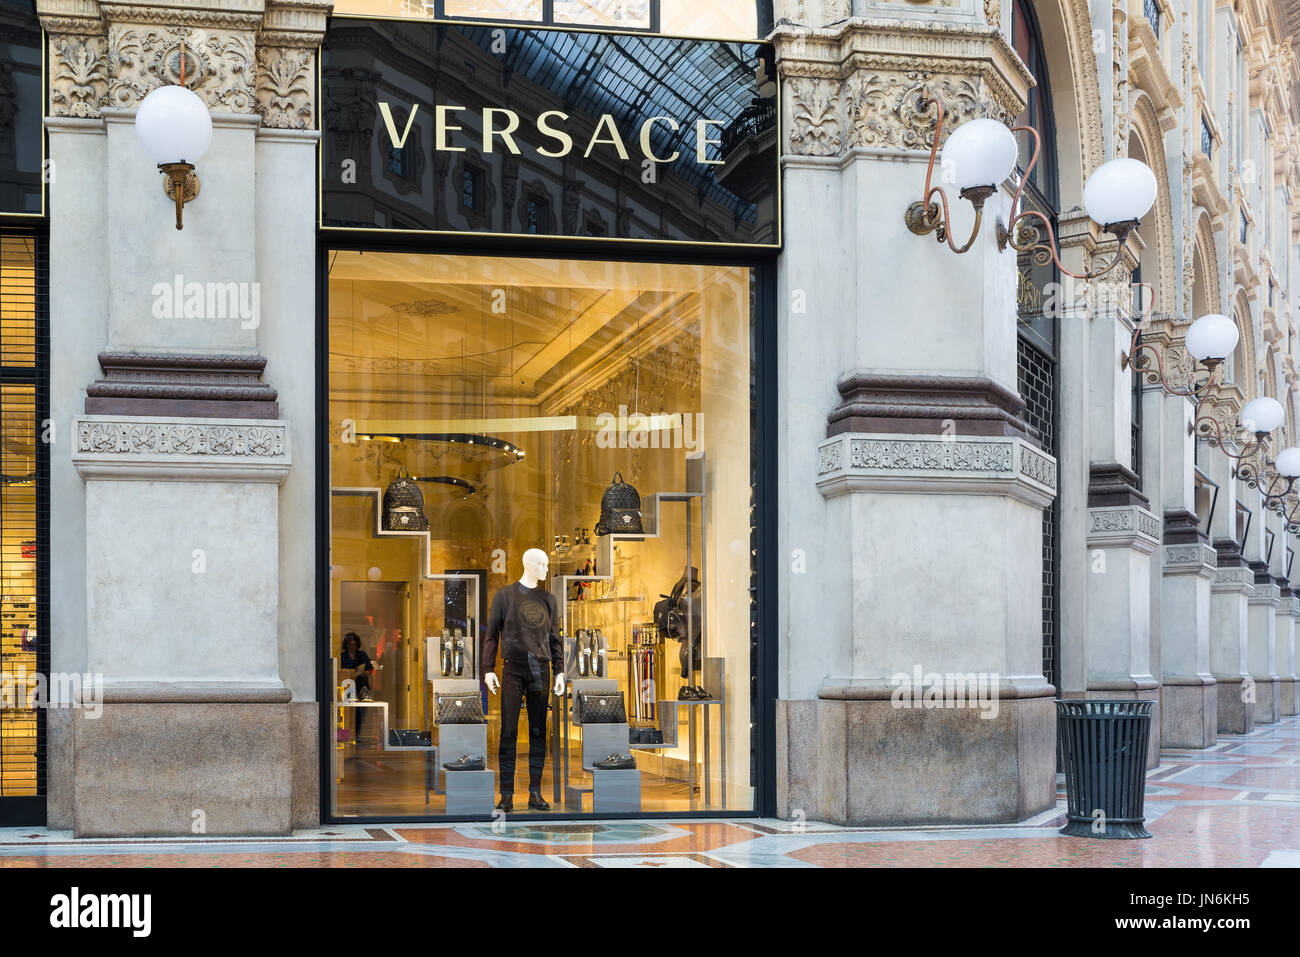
927 216
1025 237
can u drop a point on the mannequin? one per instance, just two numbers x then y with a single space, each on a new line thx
523 623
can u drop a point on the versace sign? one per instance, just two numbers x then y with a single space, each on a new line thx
453 128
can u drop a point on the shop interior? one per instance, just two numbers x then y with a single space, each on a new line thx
483 406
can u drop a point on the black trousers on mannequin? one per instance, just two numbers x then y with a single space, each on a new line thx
523 681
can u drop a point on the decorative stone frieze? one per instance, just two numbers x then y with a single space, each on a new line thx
239 61
1195 559
180 437
853 462
1131 526
1239 580
181 449
218 65
1266 593
859 84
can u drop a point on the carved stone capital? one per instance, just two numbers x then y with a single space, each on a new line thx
238 59
219 65
860 84
285 87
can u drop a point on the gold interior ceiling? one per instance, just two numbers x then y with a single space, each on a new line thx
523 332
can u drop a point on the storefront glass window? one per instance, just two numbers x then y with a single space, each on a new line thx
19 733
533 403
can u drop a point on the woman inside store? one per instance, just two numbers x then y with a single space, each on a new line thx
356 664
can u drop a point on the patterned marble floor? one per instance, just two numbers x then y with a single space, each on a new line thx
1234 805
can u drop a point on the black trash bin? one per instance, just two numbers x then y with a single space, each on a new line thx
1105 750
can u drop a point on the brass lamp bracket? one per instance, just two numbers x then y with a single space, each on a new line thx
180 184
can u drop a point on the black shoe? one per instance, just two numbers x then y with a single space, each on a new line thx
616 762
506 803
691 693
703 695
467 762
536 802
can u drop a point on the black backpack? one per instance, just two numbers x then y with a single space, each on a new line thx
677 615
404 505
620 509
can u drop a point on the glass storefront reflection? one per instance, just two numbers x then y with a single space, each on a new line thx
525 452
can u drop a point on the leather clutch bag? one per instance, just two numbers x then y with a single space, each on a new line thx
460 709
602 708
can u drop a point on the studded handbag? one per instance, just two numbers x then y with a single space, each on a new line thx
602 708
404 505
620 509
460 709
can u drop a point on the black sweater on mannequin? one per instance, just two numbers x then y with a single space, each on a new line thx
522 621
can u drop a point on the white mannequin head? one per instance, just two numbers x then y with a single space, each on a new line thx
536 565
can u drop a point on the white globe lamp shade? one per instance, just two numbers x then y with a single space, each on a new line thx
1212 337
1262 415
1120 191
1288 463
173 125
979 153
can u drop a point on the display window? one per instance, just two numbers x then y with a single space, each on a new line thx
23 525
541 536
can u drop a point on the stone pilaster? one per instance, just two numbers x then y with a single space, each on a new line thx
1261 647
926 448
1117 652
180 448
1189 711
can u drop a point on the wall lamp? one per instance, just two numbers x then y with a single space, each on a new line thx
1284 471
981 153
1209 341
1261 417
174 126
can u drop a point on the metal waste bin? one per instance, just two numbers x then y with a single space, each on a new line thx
1105 750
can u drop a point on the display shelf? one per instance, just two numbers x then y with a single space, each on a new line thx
424 538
